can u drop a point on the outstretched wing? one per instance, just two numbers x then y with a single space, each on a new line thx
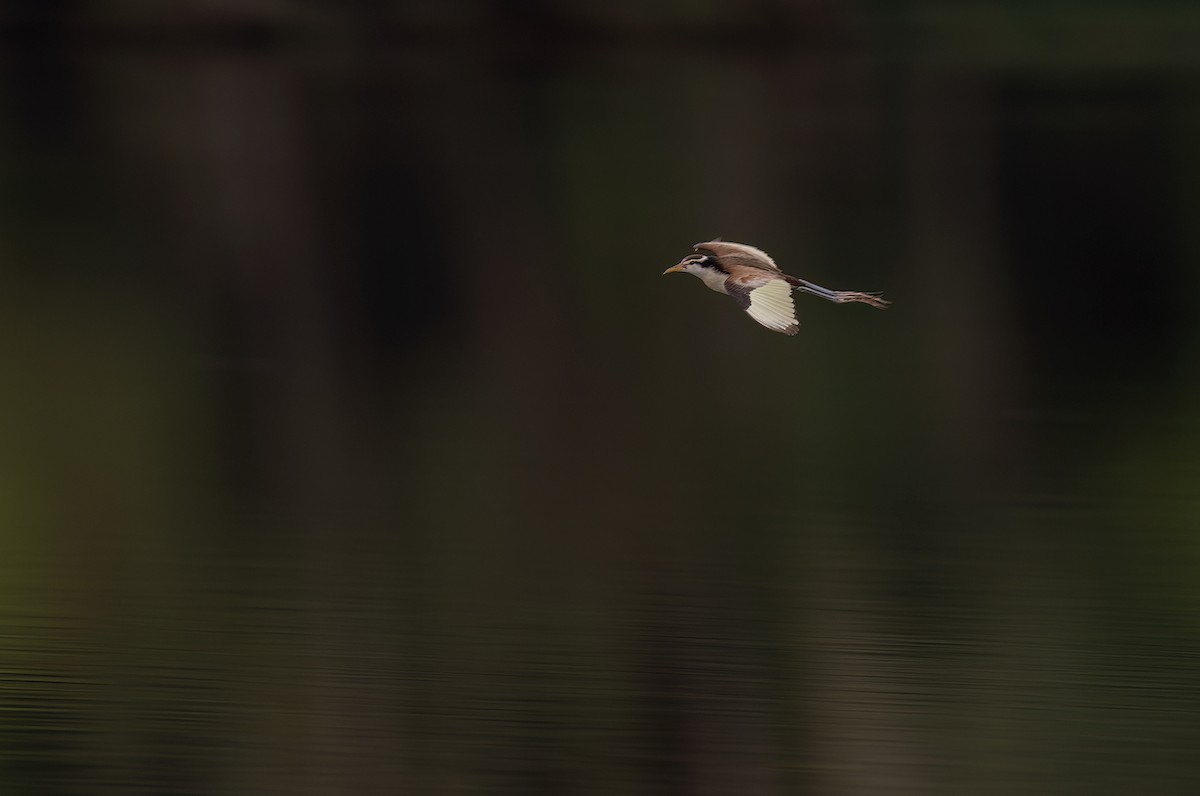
738 254
769 303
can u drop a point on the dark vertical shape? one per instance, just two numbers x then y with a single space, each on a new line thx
42 85
667 753
1085 192
47 131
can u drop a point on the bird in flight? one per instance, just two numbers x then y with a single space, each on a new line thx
755 282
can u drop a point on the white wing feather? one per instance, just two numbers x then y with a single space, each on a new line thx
771 305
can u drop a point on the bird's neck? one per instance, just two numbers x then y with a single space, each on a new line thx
714 279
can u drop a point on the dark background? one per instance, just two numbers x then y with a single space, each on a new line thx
351 441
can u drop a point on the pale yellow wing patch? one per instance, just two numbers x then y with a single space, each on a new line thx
771 305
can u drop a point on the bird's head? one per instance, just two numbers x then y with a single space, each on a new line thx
695 264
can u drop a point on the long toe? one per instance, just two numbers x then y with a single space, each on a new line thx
873 299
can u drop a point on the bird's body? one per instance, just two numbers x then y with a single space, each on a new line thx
757 284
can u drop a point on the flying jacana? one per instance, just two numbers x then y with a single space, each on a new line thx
755 282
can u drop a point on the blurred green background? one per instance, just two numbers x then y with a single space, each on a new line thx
352 443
